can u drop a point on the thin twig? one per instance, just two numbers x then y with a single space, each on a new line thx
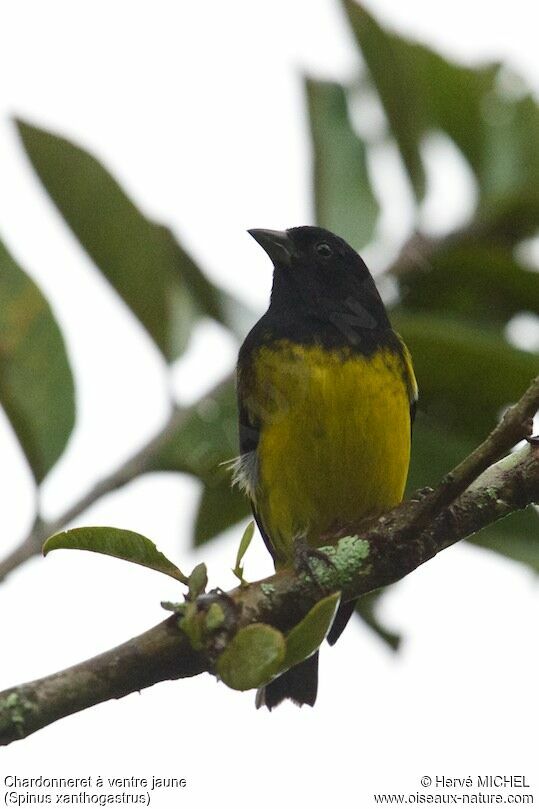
516 424
139 463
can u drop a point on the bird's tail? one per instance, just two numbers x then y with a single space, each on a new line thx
344 613
300 684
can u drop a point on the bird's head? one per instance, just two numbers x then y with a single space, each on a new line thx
318 271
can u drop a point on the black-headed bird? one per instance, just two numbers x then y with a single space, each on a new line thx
326 394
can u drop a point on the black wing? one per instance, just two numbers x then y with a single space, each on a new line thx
249 426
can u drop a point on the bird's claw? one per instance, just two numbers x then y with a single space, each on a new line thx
303 556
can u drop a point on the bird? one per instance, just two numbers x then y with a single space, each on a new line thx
326 400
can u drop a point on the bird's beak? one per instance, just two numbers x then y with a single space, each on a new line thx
276 243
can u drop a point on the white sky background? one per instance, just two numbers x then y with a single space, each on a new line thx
197 109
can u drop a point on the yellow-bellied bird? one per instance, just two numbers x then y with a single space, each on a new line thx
326 395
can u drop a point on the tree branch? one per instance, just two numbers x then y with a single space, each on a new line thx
516 424
360 564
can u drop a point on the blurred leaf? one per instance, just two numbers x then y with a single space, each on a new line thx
421 90
115 542
207 438
509 170
497 131
142 260
466 375
344 199
202 446
36 384
435 451
220 507
306 637
236 315
253 656
366 608
511 219
476 281
208 299
390 73
516 537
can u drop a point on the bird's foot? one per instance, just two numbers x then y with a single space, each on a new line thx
303 556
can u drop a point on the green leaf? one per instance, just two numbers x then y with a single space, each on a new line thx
115 542
36 384
192 625
496 131
344 199
253 656
215 617
466 375
366 608
178 607
244 544
220 507
198 580
457 278
307 636
143 261
390 72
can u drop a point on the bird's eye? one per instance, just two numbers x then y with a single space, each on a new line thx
323 249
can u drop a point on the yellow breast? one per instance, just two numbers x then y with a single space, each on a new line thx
335 438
